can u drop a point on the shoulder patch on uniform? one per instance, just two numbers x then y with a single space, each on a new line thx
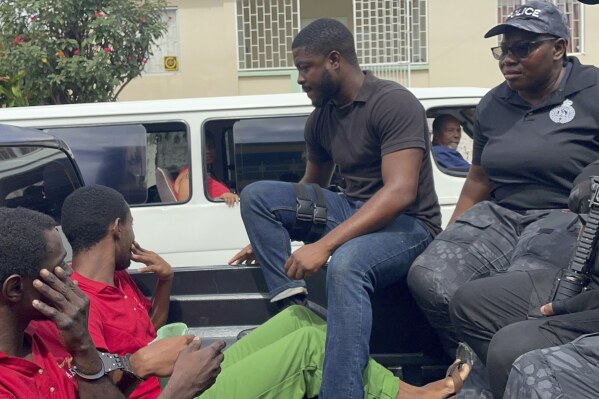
563 113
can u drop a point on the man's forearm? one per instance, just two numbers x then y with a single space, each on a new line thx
177 388
160 302
381 209
397 193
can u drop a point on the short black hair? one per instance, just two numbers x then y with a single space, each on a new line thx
440 120
87 214
23 241
325 35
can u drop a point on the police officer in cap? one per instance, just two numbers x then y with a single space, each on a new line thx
570 370
536 137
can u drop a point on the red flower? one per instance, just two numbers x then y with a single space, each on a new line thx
99 14
144 61
107 50
142 20
18 40
75 52
33 18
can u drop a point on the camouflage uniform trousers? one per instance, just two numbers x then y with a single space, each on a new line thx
486 240
499 318
569 371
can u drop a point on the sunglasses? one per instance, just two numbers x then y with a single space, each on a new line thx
519 50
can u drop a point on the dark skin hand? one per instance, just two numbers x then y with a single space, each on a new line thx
154 263
159 357
245 256
163 270
547 309
195 371
67 306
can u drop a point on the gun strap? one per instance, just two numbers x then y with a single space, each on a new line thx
310 211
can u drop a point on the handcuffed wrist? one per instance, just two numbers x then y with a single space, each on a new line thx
109 362
137 364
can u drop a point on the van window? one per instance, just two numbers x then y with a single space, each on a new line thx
269 149
248 150
141 161
37 178
452 155
167 154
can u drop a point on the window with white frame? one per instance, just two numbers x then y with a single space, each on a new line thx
391 31
166 54
265 32
571 8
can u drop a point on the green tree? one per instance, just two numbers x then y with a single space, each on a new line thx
75 51
11 93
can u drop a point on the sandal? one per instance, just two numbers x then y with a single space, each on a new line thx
464 355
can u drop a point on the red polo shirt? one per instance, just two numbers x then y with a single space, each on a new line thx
43 377
119 321
216 188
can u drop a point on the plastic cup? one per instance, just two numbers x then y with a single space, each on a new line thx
166 331
172 330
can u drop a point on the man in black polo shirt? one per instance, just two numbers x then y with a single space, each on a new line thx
534 135
376 132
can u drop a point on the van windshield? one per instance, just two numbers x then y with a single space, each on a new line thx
112 155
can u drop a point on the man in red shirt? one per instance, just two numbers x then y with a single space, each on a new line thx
34 286
99 227
46 350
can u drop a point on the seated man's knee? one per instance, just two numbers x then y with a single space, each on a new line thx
255 191
311 332
343 265
308 340
263 195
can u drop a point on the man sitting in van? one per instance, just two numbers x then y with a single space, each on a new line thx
376 132
216 189
447 133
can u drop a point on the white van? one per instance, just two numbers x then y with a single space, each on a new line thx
139 148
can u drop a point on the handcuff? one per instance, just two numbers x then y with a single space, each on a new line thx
110 362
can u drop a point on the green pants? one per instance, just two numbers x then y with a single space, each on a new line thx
283 359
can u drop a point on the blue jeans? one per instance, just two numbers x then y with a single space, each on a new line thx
354 271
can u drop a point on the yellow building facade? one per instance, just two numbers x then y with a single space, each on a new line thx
238 47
